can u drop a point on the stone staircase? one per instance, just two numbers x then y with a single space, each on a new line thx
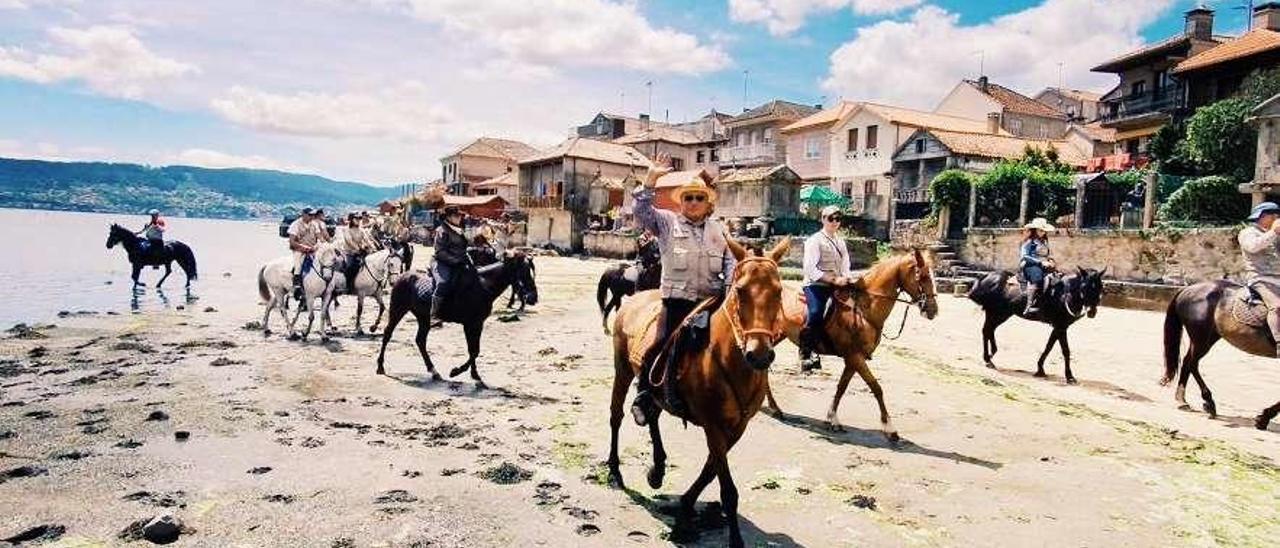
951 274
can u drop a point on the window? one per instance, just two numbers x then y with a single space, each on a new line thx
853 139
1015 126
743 138
768 135
715 155
1044 131
677 164
1138 88
600 126
869 187
872 137
812 147
919 146
702 156
1158 83
847 190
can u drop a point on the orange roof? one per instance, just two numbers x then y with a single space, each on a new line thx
1014 101
591 149
1003 146
1256 41
823 117
506 179
1096 132
921 119
490 147
471 200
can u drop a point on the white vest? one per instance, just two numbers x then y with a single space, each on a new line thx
692 265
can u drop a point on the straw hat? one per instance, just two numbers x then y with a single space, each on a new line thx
1040 223
696 185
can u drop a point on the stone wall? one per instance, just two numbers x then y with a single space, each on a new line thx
1163 256
610 244
912 233
550 226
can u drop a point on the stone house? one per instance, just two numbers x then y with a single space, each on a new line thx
506 186
1266 179
808 143
751 192
755 135
479 160
862 143
686 149
1147 96
1218 72
1099 144
607 127
1019 115
563 186
1079 106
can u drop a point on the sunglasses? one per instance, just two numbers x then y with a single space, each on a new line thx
695 198
835 219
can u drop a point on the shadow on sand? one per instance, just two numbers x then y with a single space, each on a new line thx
710 526
875 438
1097 386
467 389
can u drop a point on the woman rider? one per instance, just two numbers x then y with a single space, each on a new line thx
1035 261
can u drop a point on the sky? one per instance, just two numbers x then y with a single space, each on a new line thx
377 91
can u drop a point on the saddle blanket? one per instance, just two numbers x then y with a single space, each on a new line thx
631 273
1248 311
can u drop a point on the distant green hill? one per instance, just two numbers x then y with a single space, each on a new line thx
178 190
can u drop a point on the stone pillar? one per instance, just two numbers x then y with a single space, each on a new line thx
1024 202
944 222
973 204
1080 193
1149 200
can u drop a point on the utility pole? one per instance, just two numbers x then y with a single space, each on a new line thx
982 62
1061 81
745 75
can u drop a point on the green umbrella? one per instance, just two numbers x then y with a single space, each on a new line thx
821 196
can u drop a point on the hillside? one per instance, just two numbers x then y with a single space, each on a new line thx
178 190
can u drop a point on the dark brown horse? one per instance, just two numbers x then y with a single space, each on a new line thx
723 384
1204 311
614 283
857 320
470 305
1063 301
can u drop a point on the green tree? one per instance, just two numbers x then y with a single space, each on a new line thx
1207 200
1221 142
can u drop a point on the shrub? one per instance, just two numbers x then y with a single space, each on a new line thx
1207 200
1219 139
950 188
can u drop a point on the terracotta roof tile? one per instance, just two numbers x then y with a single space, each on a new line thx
1179 45
824 117
1004 147
659 133
591 149
490 147
778 108
506 179
921 119
1014 101
1256 41
1098 133
751 174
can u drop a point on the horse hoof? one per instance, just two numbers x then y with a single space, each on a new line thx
1184 407
615 480
990 364
656 475
480 385
294 337
1072 380
266 333
457 371
435 377
1211 409
1040 375
835 427
893 438
381 371
1261 423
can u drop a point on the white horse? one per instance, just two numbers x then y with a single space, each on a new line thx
275 285
380 270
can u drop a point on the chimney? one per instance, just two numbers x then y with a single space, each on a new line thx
1266 16
993 123
817 106
982 83
644 121
1200 23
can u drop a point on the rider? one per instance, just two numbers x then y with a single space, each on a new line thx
1035 261
356 245
154 232
826 267
451 259
695 263
1259 243
304 234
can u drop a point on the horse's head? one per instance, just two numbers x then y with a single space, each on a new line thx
523 274
326 257
649 253
1090 288
115 235
395 267
915 276
753 303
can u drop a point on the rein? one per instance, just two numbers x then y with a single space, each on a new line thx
732 313
925 293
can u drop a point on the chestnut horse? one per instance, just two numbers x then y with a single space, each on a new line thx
723 384
853 328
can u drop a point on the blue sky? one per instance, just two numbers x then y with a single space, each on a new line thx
378 90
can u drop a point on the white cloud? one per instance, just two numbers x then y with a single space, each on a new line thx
582 33
406 112
204 157
783 17
28 4
916 61
109 60
43 150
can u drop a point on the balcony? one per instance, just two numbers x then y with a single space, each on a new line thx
1117 162
759 153
1141 108
911 195
541 202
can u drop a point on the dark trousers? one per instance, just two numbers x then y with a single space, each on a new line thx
444 276
816 298
351 269
1034 274
674 311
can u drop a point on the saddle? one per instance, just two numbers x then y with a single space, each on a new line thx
690 337
1248 308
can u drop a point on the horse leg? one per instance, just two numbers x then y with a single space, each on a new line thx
168 269
886 426
1206 397
773 404
1053 339
833 415
1264 418
266 314
1192 357
1066 356
421 341
137 271
622 377
659 469
359 313
382 309
684 531
472 331
718 445
989 341
398 310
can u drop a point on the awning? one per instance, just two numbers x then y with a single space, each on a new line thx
821 196
1135 133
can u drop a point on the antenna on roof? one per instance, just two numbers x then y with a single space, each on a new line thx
1247 6
982 62
622 102
649 86
745 74
1061 83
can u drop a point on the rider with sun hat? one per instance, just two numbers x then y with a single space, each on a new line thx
695 264
1260 246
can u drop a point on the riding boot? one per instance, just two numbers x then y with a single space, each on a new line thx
297 286
644 409
1273 323
808 361
1033 300
437 309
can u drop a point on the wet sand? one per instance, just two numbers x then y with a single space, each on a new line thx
300 444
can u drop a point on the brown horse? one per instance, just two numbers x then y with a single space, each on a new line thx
723 384
1205 312
856 322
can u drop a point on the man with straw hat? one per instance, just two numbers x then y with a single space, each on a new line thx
1259 244
695 262
1035 261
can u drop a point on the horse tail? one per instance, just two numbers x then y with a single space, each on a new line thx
602 290
263 290
1172 339
988 291
186 259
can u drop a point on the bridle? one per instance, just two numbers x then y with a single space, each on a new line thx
927 292
733 310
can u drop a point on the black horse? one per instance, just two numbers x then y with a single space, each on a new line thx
614 284
1065 300
470 305
173 251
